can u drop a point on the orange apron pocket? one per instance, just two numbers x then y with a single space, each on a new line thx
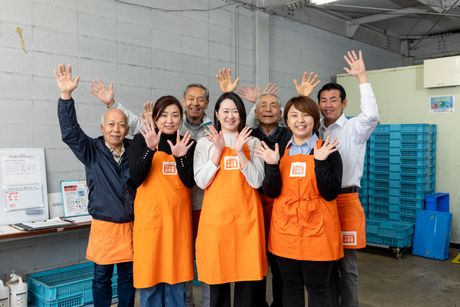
310 218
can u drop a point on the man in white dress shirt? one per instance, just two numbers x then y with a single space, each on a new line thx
352 134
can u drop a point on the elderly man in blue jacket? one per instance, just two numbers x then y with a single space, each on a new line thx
111 192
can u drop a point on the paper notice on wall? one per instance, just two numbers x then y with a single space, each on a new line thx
23 196
55 206
74 197
23 191
442 104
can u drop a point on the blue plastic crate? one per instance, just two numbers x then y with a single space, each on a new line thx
412 145
378 215
413 128
408 169
378 208
379 199
398 176
378 152
379 175
412 137
394 234
404 210
402 218
411 161
382 129
72 301
379 160
438 202
377 184
419 195
432 234
379 190
428 151
407 202
67 282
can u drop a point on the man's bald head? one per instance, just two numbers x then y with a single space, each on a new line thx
114 127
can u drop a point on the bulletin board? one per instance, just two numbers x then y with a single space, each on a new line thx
23 192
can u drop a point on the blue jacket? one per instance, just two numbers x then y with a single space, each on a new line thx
111 191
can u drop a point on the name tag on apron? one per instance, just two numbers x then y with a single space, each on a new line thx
169 168
298 169
349 238
231 163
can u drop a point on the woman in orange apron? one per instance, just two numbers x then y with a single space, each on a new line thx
305 229
161 165
230 245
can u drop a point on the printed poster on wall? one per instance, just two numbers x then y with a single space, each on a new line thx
23 188
74 197
442 104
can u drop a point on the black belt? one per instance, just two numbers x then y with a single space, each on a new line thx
349 190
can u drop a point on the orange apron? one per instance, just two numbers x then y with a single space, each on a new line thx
230 245
162 227
109 242
304 226
352 221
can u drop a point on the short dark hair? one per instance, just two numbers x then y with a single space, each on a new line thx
198 85
333 86
239 106
305 105
162 103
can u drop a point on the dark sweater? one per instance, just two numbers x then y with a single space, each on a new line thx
140 159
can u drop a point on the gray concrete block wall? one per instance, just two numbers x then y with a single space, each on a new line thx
296 47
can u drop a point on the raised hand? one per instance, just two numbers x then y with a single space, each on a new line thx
324 151
217 138
251 93
147 115
248 93
152 139
104 94
356 65
64 81
271 88
242 139
225 79
307 85
182 146
267 154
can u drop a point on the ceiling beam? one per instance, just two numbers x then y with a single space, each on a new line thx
383 16
437 8
353 24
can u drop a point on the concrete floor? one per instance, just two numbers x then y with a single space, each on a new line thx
411 281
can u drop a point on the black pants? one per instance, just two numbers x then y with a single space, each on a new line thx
260 299
313 275
243 294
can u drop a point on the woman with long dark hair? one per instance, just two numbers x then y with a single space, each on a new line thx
230 245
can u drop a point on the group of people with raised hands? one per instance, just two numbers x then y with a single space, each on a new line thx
247 189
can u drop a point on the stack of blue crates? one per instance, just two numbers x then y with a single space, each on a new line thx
402 170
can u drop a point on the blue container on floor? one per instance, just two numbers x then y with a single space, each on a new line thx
432 234
437 202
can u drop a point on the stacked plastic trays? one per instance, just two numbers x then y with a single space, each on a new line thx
402 170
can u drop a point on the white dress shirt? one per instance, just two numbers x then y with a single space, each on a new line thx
205 170
353 134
